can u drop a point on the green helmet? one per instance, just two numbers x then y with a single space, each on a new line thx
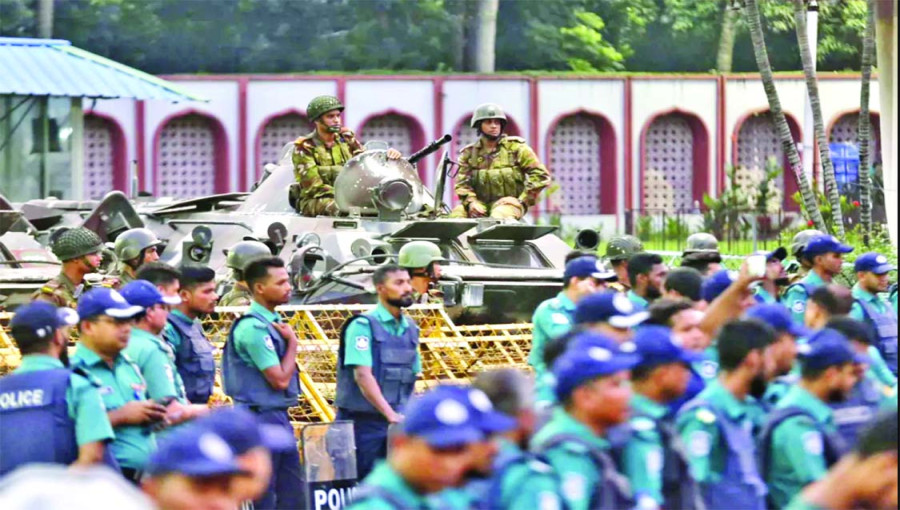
132 242
487 111
798 243
622 247
416 254
321 105
76 242
701 241
245 252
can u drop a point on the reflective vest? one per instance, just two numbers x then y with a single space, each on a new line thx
858 410
886 327
392 366
244 383
194 359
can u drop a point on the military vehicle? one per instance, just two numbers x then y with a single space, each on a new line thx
25 264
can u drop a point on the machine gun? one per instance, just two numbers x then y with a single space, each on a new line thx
428 149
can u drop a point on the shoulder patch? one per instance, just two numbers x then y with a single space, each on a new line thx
573 486
812 443
362 343
559 318
708 369
798 307
270 344
699 443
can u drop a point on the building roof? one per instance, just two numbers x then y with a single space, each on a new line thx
53 67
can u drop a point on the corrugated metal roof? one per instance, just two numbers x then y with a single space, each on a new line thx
53 67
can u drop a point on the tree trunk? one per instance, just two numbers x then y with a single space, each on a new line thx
812 88
482 36
863 136
751 15
726 39
458 11
45 19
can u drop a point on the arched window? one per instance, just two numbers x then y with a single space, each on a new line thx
400 131
757 141
582 161
675 163
191 157
275 134
104 158
846 130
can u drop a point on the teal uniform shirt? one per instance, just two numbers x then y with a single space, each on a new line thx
155 358
357 350
643 455
578 473
708 368
552 319
83 400
877 302
797 449
386 479
171 334
122 383
878 367
892 298
763 295
795 297
639 302
252 344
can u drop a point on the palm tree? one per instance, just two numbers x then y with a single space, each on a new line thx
812 87
865 188
751 15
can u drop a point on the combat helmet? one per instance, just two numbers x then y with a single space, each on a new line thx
131 243
76 242
701 242
321 105
621 247
487 111
416 254
245 252
801 239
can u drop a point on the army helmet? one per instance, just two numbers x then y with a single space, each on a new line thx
701 241
416 254
487 111
76 242
131 243
621 247
801 239
245 252
321 105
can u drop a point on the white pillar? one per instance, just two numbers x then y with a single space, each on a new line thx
807 144
886 44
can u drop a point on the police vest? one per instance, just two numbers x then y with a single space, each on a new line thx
194 359
35 426
740 486
886 327
613 490
858 410
392 366
490 497
245 383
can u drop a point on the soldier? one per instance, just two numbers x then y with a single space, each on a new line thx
872 270
716 426
379 360
646 272
239 256
499 176
49 413
134 248
422 259
798 244
259 371
653 457
609 313
319 157
79 250
825 254
767 291
702 253
193 351
618 250
799 441
592 386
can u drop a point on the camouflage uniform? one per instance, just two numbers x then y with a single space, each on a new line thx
70 245
239 295
619 248
239 257
123 274
417 256
61 292
130 245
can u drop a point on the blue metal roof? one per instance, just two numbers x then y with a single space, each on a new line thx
53 67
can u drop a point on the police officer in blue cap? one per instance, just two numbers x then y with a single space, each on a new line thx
592 386
609 313
783 351
768 290
872 271
717 283
825 255
49 413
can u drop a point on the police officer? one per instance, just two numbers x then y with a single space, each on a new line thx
646 272
782 351
319 157
79 250
767 291
238 257
825 256
799 440
422 259
193 352
609 313
259 371
592 386
618 250
430 451
702 253
653 457
716 426
379 362
553 318
500 176
105 327
798 244
134 248
48 413
872 270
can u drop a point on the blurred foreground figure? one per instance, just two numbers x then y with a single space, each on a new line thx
48 487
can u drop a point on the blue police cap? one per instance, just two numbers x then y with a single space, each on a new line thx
442 417
610 307
820 245
714 285
777 316
243 431
656 346
144 294
827 348
490 421
193 451
873 263
43 318
105 301
584 267
588 356
779 253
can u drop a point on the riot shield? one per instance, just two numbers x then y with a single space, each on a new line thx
329 464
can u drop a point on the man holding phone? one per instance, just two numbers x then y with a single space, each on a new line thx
767 291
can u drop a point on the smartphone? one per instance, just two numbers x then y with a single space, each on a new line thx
756 265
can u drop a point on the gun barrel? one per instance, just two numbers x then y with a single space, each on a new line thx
428 149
